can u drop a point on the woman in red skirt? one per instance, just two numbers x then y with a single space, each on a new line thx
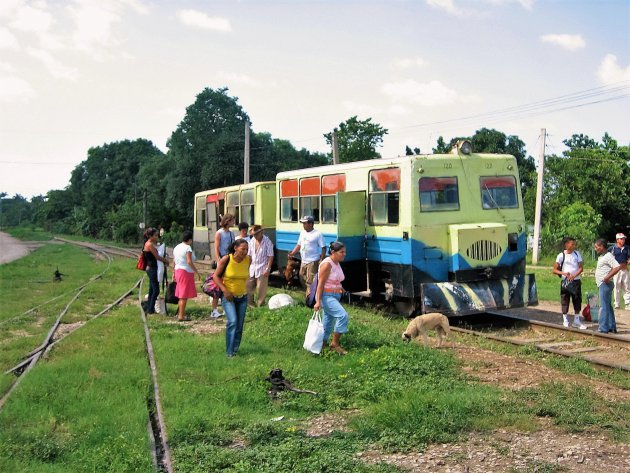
184 274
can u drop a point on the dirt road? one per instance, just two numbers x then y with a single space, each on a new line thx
12 248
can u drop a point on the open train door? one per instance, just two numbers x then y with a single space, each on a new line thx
213 212
351 213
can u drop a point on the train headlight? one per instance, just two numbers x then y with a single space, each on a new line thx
465 147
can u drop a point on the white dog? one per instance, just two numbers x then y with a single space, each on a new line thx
423 323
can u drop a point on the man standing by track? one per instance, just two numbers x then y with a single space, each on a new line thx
312 250
621 252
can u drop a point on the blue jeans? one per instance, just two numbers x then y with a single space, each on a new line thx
335 316
154 289
235 315
606 313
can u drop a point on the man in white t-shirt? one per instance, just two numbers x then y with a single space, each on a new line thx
312 250
569 266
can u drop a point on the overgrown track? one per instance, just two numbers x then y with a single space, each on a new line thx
607 350
31 358
157 426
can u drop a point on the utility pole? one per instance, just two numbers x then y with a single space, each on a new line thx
539 189
144 208
246 155
335 148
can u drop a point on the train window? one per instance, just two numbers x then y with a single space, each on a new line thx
200 214
309 197
248 198
289 200
231 205
498 192
384 196
438 194
330 186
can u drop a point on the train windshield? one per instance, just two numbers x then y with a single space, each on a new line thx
438 194
498 192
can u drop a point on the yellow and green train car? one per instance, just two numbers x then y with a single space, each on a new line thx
433 233
253 203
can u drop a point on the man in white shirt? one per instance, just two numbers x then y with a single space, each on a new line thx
261 254
569 267
312 250
607 267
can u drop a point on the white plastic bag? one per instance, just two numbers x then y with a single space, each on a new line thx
160 306
314 338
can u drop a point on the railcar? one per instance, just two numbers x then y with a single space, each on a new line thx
431 233
253 203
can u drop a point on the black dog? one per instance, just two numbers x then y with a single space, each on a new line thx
279 383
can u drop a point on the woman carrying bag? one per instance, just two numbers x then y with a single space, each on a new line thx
328 296
233 269
151 256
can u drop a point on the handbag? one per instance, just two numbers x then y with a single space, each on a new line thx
142 263
314 337
210 287
170 297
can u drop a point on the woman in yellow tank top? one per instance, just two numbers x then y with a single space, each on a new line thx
234 271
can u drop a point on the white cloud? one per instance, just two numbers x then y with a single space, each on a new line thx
56 68
527 4
571 42
30 19
609 72
6 67
234 78
356 108
14 89
446 5
427 94
201 20
8 40
406 63
94 22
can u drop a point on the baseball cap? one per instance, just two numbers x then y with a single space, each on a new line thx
307 219
619 235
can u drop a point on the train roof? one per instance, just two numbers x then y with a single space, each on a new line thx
234 187
385 162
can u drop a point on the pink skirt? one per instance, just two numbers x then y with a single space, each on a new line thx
185 288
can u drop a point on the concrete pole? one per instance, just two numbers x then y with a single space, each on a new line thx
335 148
539 190
246 156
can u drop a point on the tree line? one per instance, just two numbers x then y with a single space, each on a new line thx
121 183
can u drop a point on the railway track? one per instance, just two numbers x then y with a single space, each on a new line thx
606 350
156 424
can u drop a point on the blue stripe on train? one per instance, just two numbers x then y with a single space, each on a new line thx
427 259
286 241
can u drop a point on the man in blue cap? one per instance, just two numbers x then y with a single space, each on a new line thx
312 250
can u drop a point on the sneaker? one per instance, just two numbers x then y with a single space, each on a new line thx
577 323
216 314
565 320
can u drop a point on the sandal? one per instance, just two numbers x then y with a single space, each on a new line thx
185 319
338 349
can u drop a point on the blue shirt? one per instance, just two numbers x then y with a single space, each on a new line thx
622 255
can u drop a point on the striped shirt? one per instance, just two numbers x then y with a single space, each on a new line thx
605 263
259 253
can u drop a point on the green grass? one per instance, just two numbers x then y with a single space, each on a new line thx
396 397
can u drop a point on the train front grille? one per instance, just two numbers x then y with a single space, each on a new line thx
484 250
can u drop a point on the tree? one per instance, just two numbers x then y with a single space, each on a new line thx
206 149
357 140
578 220
106 180
411 152
593 173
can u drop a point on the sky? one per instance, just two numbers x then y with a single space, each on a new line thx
76 74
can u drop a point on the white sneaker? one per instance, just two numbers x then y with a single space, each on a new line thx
577 323
565 320
216 314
